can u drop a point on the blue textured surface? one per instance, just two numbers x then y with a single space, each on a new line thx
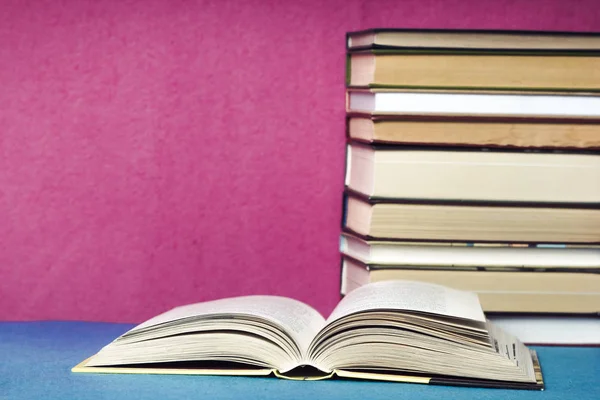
36 358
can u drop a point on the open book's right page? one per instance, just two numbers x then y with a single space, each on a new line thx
454 344
412 296
512 348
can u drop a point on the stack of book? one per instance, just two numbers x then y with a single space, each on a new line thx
474 162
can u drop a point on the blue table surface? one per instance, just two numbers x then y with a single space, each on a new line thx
36 358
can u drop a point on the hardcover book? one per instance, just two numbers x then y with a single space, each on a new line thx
398 69
473 175
474 40
473 104
469 222
499 290
399 331
470 132
472 255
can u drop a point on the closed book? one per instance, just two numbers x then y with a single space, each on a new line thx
446 132
498 291
389 69
551 329
474 40
473 104
473 175
463 255
471 223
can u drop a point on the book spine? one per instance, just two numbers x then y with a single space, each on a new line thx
344 209
348 70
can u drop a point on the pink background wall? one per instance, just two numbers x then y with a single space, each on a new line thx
155 153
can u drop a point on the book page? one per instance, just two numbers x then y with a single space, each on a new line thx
512 348
410 296
297 319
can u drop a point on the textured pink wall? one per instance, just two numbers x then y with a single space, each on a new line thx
154 153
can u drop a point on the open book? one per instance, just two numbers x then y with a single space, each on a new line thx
393 330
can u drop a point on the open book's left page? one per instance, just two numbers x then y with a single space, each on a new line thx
260 331
296 318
